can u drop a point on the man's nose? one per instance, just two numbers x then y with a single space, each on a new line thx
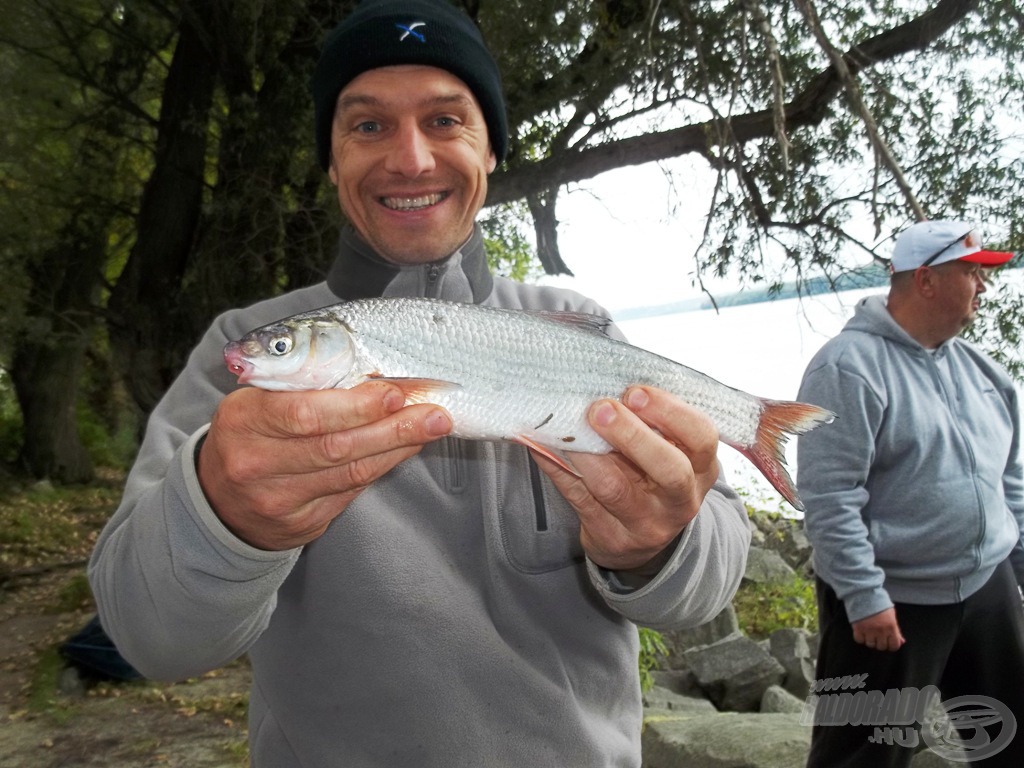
411 153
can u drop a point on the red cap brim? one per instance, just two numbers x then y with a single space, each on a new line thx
988 258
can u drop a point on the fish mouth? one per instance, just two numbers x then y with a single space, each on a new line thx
416 203
237 363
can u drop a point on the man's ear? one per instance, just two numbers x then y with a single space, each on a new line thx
331 172
924 281
492 161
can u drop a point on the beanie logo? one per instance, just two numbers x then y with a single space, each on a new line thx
411 30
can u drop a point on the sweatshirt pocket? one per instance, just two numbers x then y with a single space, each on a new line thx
540 532
925 545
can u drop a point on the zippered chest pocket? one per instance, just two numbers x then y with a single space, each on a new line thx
540 532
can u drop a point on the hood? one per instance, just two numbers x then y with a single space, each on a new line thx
871 315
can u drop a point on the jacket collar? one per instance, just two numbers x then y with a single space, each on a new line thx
359 273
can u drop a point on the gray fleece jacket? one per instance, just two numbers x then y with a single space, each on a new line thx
916 492
447 618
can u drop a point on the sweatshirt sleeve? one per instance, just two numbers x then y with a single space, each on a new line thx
833 467
175 590
700 578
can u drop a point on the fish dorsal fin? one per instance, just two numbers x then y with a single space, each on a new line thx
582 320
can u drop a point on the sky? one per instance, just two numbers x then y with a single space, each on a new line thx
628 252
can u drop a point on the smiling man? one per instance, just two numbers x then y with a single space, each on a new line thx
406 598
915 506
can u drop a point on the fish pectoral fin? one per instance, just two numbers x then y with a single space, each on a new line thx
420 390
548 453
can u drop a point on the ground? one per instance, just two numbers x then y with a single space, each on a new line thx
48 717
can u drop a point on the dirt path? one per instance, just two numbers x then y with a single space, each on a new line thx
48 718
196 724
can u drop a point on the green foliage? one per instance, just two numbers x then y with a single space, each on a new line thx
763 608
42 693
998 327
97 230
651 646
508 248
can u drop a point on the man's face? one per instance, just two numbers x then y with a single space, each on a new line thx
410 156
958 287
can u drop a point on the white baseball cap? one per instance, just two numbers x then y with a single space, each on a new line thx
930 243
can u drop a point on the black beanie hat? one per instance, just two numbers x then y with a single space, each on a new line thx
384 33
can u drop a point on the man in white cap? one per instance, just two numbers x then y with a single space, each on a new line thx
915 508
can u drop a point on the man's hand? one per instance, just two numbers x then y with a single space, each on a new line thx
880 631
277 467
635 501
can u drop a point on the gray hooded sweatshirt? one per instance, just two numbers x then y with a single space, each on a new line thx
916 492
447 618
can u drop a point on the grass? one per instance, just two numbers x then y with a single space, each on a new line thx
763 608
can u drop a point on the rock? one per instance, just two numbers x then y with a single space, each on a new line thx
767 567
723 626
778 699
679 681
813 641
734 673
665 700
795 547
725 740
70 683
791 649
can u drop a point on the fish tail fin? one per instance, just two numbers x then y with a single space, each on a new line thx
779 419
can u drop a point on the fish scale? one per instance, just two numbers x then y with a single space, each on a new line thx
506 374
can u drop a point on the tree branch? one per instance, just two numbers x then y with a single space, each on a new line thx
809 107
853 93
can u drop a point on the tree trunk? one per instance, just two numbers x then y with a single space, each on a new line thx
45 376
147 319
48 358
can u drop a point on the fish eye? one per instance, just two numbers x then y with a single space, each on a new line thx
280 345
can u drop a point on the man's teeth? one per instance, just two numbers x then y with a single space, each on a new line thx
412 203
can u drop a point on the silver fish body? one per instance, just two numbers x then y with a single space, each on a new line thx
505 374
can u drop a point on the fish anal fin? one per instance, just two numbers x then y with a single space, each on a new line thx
547 453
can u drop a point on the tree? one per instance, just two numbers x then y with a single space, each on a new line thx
813 114
62 203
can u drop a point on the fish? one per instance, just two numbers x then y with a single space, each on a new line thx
524 376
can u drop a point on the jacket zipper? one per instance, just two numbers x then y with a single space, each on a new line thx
433 280
540 509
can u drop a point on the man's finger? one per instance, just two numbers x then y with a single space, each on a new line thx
296 414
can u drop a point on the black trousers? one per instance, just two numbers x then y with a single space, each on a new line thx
973 649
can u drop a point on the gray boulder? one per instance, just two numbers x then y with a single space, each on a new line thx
734 673
765 566
725 740
664 700
778 699
790 647
678 642
795 548
678 681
